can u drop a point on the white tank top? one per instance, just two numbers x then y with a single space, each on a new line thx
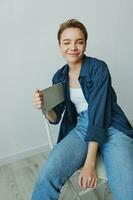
77 97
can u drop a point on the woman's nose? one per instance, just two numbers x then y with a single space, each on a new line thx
73 46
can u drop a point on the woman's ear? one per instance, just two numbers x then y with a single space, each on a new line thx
85 47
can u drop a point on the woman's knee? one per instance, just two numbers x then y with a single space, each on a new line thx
51 169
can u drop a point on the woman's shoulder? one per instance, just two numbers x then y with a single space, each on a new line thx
97 65
96 62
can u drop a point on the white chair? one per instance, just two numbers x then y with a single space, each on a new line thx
71 191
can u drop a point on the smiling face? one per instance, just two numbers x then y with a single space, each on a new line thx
72 45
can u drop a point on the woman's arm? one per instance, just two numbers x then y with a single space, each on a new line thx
91 155
51 116
88 176
100 103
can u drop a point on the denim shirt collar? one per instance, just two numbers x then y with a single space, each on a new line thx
84 68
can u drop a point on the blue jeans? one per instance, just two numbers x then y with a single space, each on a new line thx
70 153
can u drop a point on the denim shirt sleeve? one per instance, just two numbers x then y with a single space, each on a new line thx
99 109
60 107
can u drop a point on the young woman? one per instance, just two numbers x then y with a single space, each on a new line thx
92 120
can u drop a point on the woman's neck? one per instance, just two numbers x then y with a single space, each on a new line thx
74 67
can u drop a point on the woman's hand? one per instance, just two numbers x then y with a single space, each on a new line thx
37 99
87 178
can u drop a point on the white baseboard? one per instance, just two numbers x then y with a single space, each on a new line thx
24 154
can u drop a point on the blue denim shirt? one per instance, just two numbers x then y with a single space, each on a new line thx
103 110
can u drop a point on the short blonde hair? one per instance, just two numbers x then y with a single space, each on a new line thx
71 23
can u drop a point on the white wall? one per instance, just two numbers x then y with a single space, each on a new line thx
29 56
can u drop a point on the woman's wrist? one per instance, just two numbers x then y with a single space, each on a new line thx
91 155
90 164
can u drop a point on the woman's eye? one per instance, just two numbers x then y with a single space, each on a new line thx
80 42
66 43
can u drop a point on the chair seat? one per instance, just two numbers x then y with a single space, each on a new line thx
72 188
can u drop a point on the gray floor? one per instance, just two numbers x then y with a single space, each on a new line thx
17 181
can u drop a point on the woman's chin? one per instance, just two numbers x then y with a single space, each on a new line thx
73 59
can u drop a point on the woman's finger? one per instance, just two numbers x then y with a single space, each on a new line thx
84 183
38 99
92 182
37 94
89 179
95 184
39 103
38 106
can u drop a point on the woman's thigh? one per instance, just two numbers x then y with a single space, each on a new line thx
66 157
118 158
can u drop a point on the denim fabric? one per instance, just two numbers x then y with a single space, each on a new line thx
70 153
118 159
